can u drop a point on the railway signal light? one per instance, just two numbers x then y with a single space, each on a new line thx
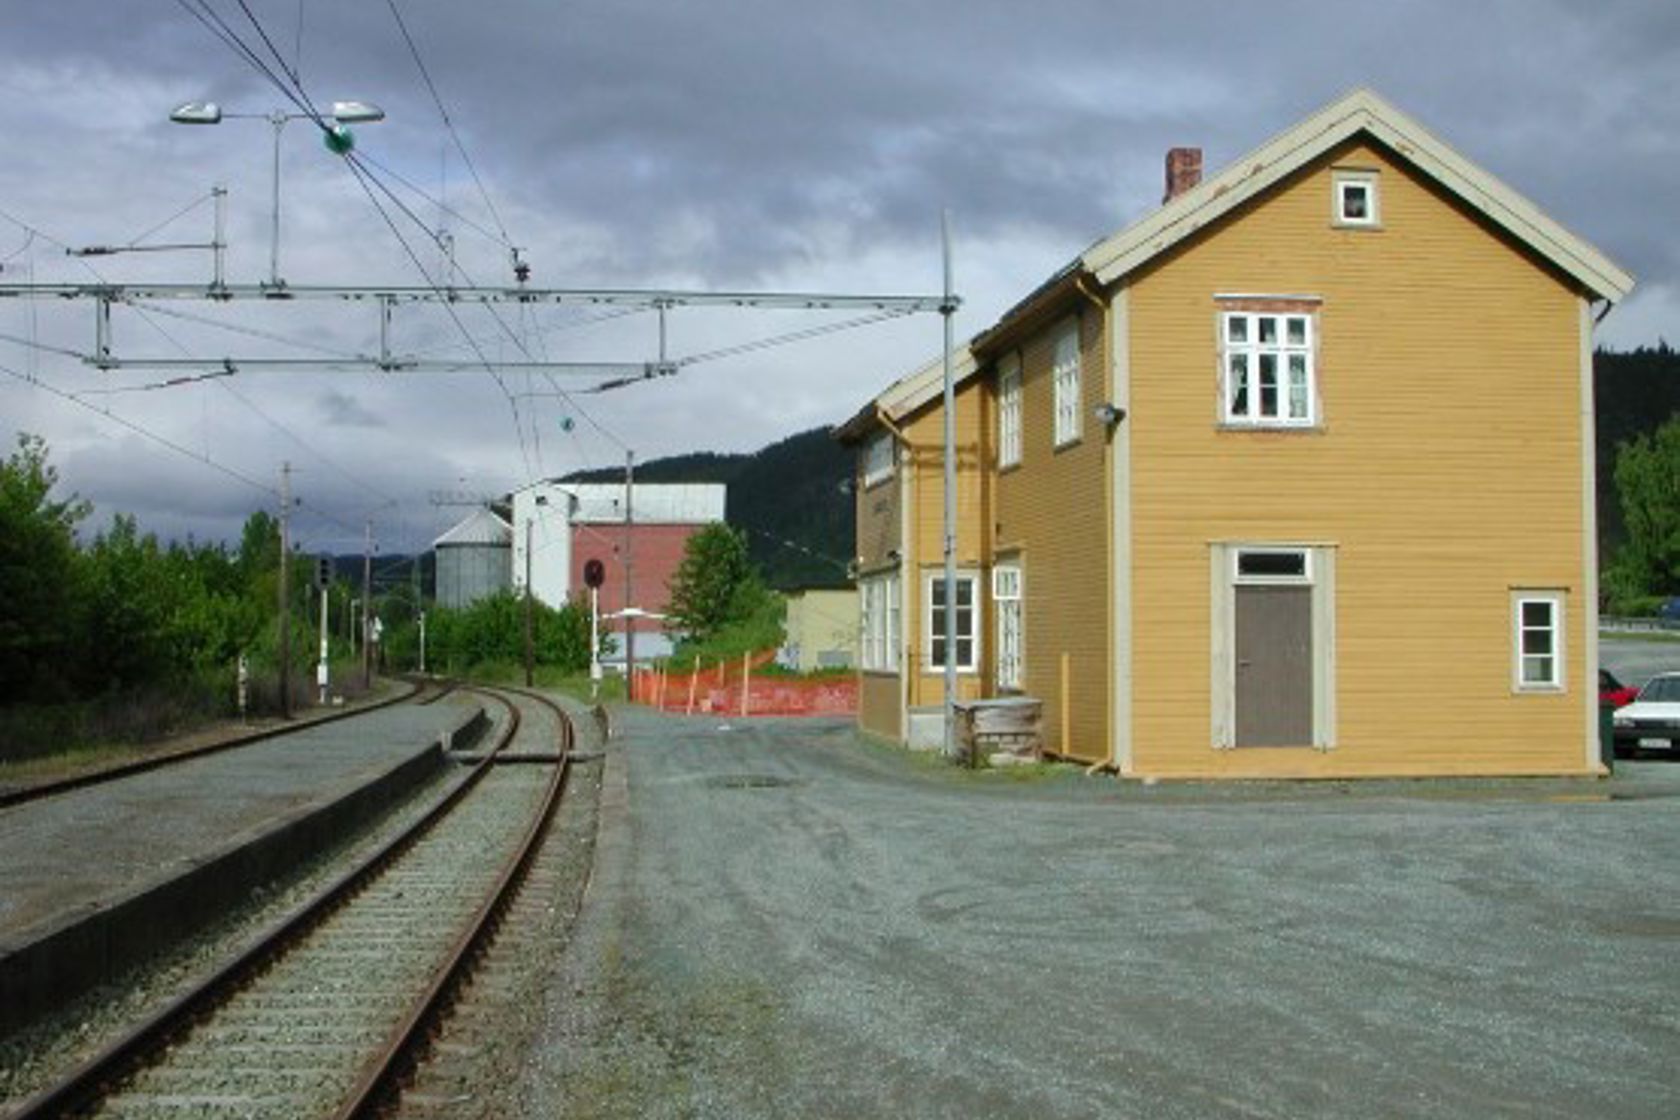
323 572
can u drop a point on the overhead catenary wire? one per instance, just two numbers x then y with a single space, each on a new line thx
141 430
234 328
478 351
218 376
448 123
171 220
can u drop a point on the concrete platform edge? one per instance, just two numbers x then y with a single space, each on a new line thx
79 952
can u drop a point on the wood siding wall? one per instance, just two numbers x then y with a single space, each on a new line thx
1051 513
879 702
880 532
926 555
1447 470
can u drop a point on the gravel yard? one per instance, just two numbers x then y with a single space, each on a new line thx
785 920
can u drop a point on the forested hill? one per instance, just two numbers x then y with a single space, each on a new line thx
1633 393
787 497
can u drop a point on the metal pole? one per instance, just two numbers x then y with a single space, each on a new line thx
594 643
285 641
218 242
422 641
629 570
367 603
528 521
278 120
946 310
321 667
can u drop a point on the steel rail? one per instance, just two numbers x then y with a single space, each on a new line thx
381 1076
168 758
92 1078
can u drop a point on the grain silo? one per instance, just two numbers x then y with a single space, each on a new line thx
474 560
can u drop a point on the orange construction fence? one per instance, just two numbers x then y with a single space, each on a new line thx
739 687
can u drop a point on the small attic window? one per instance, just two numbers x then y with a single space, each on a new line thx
1356 202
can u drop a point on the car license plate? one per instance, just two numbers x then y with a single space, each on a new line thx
1654 742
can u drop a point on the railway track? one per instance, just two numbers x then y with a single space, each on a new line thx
322 1015
37 790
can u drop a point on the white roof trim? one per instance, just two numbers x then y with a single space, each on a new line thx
913 390
1359 111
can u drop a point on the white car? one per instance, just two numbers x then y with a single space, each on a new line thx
1652 721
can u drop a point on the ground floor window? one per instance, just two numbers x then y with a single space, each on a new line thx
1006 603
878 624
967 633
1537 640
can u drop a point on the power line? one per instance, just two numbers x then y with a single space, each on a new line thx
143 431
443 111
361 177
141 310
233 328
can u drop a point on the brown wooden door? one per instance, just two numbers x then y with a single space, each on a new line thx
1274 690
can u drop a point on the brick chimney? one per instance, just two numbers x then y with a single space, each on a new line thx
1184 170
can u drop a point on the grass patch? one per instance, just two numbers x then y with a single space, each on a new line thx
1668 637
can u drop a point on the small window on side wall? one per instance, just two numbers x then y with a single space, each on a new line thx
879 458
1537 641
1355 199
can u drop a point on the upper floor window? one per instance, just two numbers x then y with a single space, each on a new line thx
1064 375
1355 199
1268 366
1009 410
878 457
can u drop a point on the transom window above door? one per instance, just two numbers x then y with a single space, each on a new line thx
1267 366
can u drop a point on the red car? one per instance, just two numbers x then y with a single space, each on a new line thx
1612 693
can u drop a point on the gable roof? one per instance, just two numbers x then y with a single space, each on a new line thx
1359 111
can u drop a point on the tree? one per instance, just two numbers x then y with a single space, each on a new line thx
1648 486
37 574
715 589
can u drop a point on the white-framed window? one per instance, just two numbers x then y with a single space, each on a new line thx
879 458
1064 376
1268 368
1355 199
1537 641
1009 410
878 623
1006 605
967 618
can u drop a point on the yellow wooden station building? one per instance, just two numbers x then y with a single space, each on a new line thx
1291 478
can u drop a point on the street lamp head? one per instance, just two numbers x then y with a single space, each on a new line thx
197 112
356 112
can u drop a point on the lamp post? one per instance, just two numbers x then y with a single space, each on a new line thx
338 140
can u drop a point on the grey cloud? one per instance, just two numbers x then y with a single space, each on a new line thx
749 143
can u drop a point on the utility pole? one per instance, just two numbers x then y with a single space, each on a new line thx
367 600
285 642
419 612
946 310
528 649
629 570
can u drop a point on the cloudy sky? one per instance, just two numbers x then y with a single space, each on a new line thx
738 144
